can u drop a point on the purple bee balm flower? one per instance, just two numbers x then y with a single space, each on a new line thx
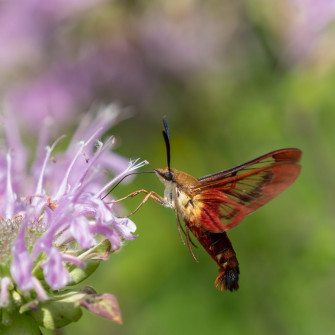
53 218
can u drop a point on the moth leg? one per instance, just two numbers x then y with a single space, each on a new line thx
188 243
191 241
131 195
153 195
180 228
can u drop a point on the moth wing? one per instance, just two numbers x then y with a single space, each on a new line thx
228 196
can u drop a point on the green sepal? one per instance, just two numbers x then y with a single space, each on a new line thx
104 305
77 275
100 252
37 270
92 258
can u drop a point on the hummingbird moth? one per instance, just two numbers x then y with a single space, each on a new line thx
213 204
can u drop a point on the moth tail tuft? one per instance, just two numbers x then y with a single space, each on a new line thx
228 279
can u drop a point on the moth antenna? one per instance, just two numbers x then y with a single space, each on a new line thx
166 136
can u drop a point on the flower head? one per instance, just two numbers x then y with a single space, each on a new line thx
53 220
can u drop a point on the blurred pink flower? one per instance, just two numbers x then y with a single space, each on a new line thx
27 27
309 20
64 87
53 74
181 45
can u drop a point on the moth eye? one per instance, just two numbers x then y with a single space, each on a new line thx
168 176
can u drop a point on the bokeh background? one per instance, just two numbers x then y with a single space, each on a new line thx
235 80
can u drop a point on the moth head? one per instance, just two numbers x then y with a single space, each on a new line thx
165 175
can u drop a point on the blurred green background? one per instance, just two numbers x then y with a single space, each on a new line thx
235 80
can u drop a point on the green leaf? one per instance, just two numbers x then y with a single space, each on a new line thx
60 310
65 307
22 324
53 314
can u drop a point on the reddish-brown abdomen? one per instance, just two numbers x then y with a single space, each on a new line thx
220 249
